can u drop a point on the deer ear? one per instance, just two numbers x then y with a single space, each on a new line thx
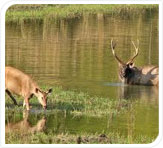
37 90
131 65
49 91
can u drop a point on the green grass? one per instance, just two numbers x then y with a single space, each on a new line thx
20 13
77 104
52 138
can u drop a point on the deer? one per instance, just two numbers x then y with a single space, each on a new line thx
19 83
130 74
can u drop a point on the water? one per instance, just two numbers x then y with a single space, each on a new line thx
76 55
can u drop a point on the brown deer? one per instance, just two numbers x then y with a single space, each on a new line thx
19 83
130 74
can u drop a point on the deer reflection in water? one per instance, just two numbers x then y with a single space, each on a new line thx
24 125
143 93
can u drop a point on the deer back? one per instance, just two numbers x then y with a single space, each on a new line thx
18 82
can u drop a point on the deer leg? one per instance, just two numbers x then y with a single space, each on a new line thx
25 116
26 102
13 99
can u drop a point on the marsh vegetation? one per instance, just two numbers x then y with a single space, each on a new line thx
54 12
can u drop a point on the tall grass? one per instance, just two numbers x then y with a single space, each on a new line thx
66 138
26 12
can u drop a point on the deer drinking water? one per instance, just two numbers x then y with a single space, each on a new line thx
19 83
130 74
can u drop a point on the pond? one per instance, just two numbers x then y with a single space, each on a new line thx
76 55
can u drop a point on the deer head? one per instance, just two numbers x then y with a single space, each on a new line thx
126 69
42 96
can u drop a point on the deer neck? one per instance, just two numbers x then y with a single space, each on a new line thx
133 77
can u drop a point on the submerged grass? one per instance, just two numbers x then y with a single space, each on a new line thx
20 13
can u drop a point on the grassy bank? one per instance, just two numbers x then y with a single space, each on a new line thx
43 138
28 12
77 104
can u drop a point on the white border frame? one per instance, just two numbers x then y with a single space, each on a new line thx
3 9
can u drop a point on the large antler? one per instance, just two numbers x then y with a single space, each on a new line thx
136 52
113 44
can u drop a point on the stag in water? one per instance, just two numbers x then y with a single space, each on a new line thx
130 74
